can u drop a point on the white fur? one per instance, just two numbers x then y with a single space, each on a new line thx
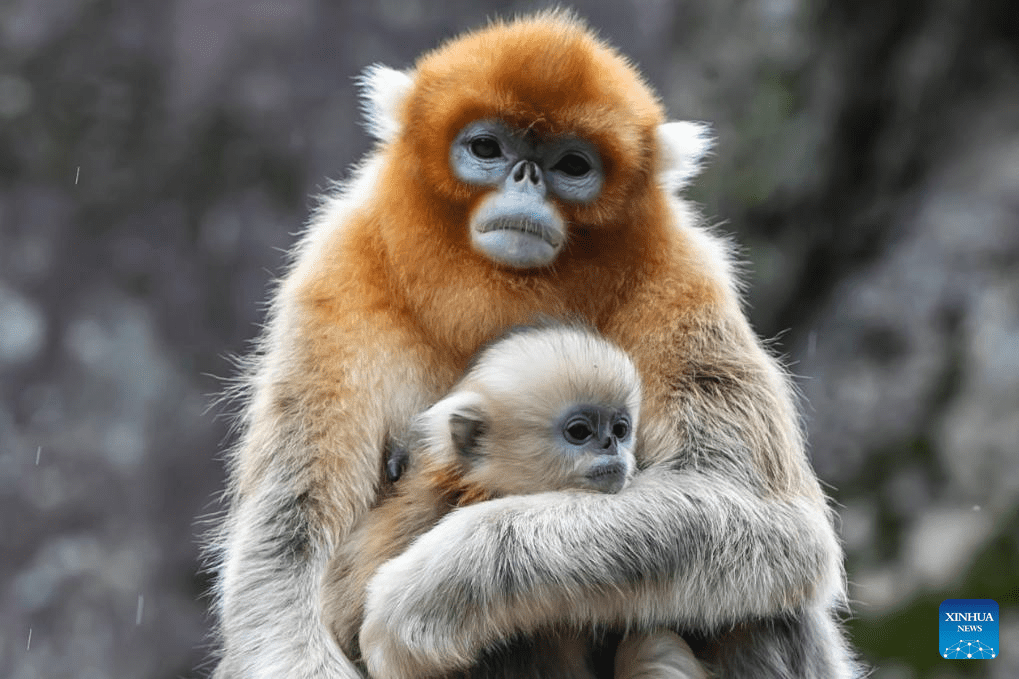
683 146
273 637
383 91
414 625
586 364
434 422
662 655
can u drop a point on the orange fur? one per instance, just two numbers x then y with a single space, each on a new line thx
387 300
575 83
402 272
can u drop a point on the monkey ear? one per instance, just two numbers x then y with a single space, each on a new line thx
466 427
383 91
453 427
683 145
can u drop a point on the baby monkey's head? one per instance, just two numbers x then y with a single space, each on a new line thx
542 408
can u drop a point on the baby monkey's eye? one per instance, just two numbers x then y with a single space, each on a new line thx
485 147
621 429
573 164
578 431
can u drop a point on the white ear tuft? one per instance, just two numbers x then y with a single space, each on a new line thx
683 145
383 91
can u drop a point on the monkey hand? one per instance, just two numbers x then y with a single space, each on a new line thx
428 611
513 565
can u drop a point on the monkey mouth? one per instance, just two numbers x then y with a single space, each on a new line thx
609 477
530 227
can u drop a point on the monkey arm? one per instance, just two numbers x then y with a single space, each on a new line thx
380 535
675 548
283 524
304 470
272 555
725 523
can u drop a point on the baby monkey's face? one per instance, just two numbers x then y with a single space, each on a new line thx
585 446
595 446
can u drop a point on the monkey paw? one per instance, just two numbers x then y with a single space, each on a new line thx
424 613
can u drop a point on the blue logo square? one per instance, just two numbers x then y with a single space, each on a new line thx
968 629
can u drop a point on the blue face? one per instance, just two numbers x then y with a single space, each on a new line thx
485 152
601 434
517 225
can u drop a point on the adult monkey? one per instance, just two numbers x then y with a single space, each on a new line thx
522 169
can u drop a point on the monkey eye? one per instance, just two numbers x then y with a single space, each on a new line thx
578 431
573 164
621 429
485 147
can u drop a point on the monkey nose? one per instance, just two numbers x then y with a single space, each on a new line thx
527 171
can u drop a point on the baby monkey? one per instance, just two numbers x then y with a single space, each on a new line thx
549 408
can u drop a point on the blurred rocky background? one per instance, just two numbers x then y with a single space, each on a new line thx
157 157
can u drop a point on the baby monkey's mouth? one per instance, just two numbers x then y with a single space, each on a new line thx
608 476
531 227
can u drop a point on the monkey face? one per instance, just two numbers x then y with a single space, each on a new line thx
589 446
586 446
517 224
548 167
544 408
596 441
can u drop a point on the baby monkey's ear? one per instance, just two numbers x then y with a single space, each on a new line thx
466 427
451 430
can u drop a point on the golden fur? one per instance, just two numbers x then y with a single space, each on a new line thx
382 307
